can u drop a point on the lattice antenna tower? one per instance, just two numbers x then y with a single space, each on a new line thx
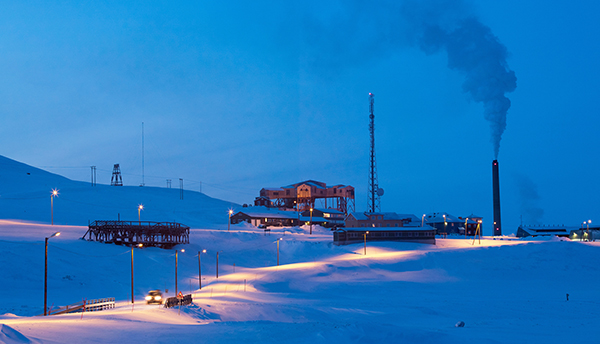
116 179
374 194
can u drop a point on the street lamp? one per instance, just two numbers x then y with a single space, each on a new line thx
140 208
278 240
46 273
200 269
53 194
367 232
588 229
176 263
217 264
311 210
445 224
423 220
466 220
229 222
138 245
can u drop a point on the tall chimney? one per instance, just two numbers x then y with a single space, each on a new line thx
496 186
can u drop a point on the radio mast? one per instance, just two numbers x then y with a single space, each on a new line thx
375 192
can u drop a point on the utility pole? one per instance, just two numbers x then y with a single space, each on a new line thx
93 175
181 188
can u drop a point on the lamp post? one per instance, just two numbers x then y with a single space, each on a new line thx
200 269
588 229
278 240
367 232
466 220
53 194
138 245
217 264
311 210
229 221
423 220
445 224
176 263
140 208
46 272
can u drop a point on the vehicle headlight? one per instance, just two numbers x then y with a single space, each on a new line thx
148 298
157 297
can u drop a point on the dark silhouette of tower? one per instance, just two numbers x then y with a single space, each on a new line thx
375 192
116 179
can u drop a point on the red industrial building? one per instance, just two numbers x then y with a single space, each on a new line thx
302 196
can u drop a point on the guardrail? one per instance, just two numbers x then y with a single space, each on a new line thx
85 306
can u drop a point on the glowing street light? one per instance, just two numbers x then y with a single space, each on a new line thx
367 232
311 210
229 222
53 194
588 228
140 246
140 208
466 220
445 224
200 269
46 272
176 263
423 220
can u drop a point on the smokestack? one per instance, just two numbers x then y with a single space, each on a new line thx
496 186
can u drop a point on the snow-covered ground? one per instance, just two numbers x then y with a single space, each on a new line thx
504 290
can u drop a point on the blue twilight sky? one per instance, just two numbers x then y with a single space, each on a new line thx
240 95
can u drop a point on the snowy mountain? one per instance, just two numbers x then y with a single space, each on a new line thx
25 195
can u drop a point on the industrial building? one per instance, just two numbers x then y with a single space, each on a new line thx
345 236
534 231
583 234
328 218
445 223
263 216
579 233
304 195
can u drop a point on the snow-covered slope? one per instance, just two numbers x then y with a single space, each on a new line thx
25 194
504 290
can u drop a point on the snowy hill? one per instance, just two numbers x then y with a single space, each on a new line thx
505 290
25 195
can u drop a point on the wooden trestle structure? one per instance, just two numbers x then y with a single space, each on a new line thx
147 233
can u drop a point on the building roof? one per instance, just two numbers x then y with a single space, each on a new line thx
386 216
330 211
386 229
264 212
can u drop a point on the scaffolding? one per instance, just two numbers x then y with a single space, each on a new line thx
133 233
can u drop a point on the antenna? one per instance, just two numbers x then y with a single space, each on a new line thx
143 181
374 192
